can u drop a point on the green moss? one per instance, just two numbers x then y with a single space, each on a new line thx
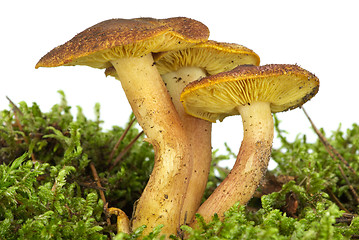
48 191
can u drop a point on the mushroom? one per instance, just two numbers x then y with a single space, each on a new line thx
181 67
254 93
127 45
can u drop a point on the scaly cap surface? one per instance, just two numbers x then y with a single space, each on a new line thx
116 38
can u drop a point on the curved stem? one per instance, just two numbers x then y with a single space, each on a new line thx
251 164
198 132
162 199
123 223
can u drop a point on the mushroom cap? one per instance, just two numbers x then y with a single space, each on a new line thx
212 56
116 38
218 96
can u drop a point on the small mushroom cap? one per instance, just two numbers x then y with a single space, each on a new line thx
116 38
218 96
212 56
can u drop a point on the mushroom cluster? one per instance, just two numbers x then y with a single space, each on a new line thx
178 83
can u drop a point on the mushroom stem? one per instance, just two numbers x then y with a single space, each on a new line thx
177 80
251 164
162 199
123 223
198 132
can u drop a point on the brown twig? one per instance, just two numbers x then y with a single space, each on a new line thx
331 150
90 185
16 111
98 183
120 140
334 154
125 150
346 218
337 201
355 195
15 108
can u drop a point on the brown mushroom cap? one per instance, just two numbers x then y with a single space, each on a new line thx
214 57
116 38
217 96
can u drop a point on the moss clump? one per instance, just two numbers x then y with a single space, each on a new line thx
48 188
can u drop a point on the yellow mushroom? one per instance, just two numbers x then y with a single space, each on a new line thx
127 45
254 93
181 67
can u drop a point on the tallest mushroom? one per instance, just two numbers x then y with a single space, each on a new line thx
127 45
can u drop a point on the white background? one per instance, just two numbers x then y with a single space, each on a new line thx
320 36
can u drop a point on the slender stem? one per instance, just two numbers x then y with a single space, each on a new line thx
120 140
162 199
334 154
330 149
198 132
98 183
251 164
17 110
125 150
123 223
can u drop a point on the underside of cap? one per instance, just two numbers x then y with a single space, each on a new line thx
214 57
216 97
117 38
